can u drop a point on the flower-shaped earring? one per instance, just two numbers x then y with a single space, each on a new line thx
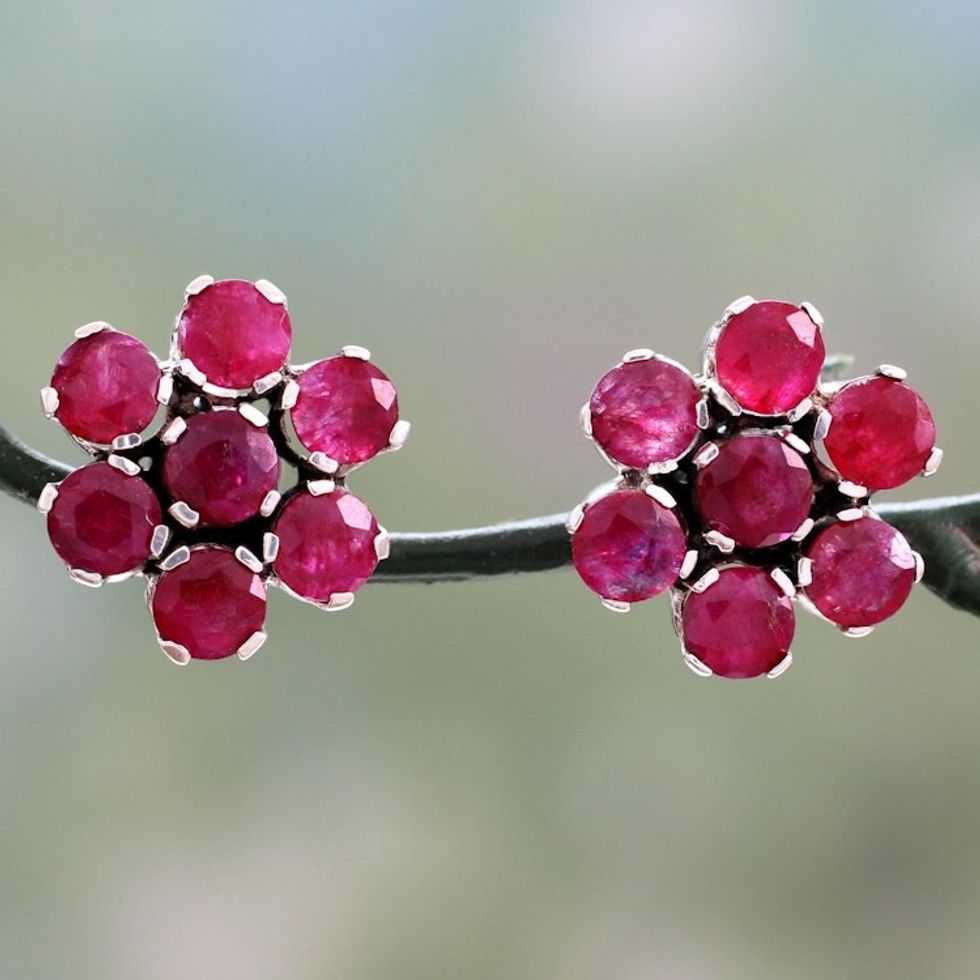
748 486
192 501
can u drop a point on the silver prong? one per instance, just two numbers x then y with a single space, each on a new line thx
123 464
614 605
47 497
270 502
248 559
318 488
160 540
268 382
575 519
688 565
173 431
706 581
290 393
850 514
804 572
704 414
739 305
699 667
891 371
662 496
270 546
585 419
637 354
706 454
129 441
339 601
784 582
176 558
90 579
725 400
822 426
856 632
178 654
812 312
198 285
323 463
90 329
353 350
49 401
270 291
782 666
251 414
792 439
165 388
192 373
722 542
933 463
803 530
659 469
399 433
252 645
382 544
853 490
920 566
184 514
802 409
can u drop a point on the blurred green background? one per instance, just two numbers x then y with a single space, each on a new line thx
498 780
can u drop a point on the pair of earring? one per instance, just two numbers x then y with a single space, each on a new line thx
738 489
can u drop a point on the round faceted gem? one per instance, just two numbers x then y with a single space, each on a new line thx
234 334
881 433
346 409
210 605
757 490
645 412
107 386
741 626
862 572
102 520
222 466
326 544
769 357
628 547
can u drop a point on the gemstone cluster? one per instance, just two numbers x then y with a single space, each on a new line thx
747 486
187 487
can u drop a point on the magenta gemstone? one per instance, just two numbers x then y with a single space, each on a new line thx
628 547
210 605
769 357
881 433
234 334
346 408
863 571
757 490
326 544
107 386
222 466
102 520
645 412
741 626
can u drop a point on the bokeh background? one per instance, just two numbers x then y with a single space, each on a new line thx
494 780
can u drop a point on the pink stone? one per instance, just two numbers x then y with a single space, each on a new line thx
741 626
863 571
628 547
757 490
346 408
102 520
326 544
769 357
232 333
107 386
645 412
210 605
881 433
222 466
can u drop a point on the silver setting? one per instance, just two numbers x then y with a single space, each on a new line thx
739 305
891 371
129 441
49 401
850 514
781 667
124 465
290 393
584 419
575 519
699 667
270 291
857 632
804 572
323 463
706 581
933 463
198 285
252 645
91 329
724 399
243 555
92 580
352 350
174 430
47 497
615 605
399 434
853 490
160 540
267 383
812 312
251 414
176 558
822 427
638 354
382 544
784 582
661 495
339 601
792 439
165 389
722 542
708 453
270 502
270 546
803 530
704 414
192 373
920 567
688 565
177 654
804 408
662 468
319 488
184 514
